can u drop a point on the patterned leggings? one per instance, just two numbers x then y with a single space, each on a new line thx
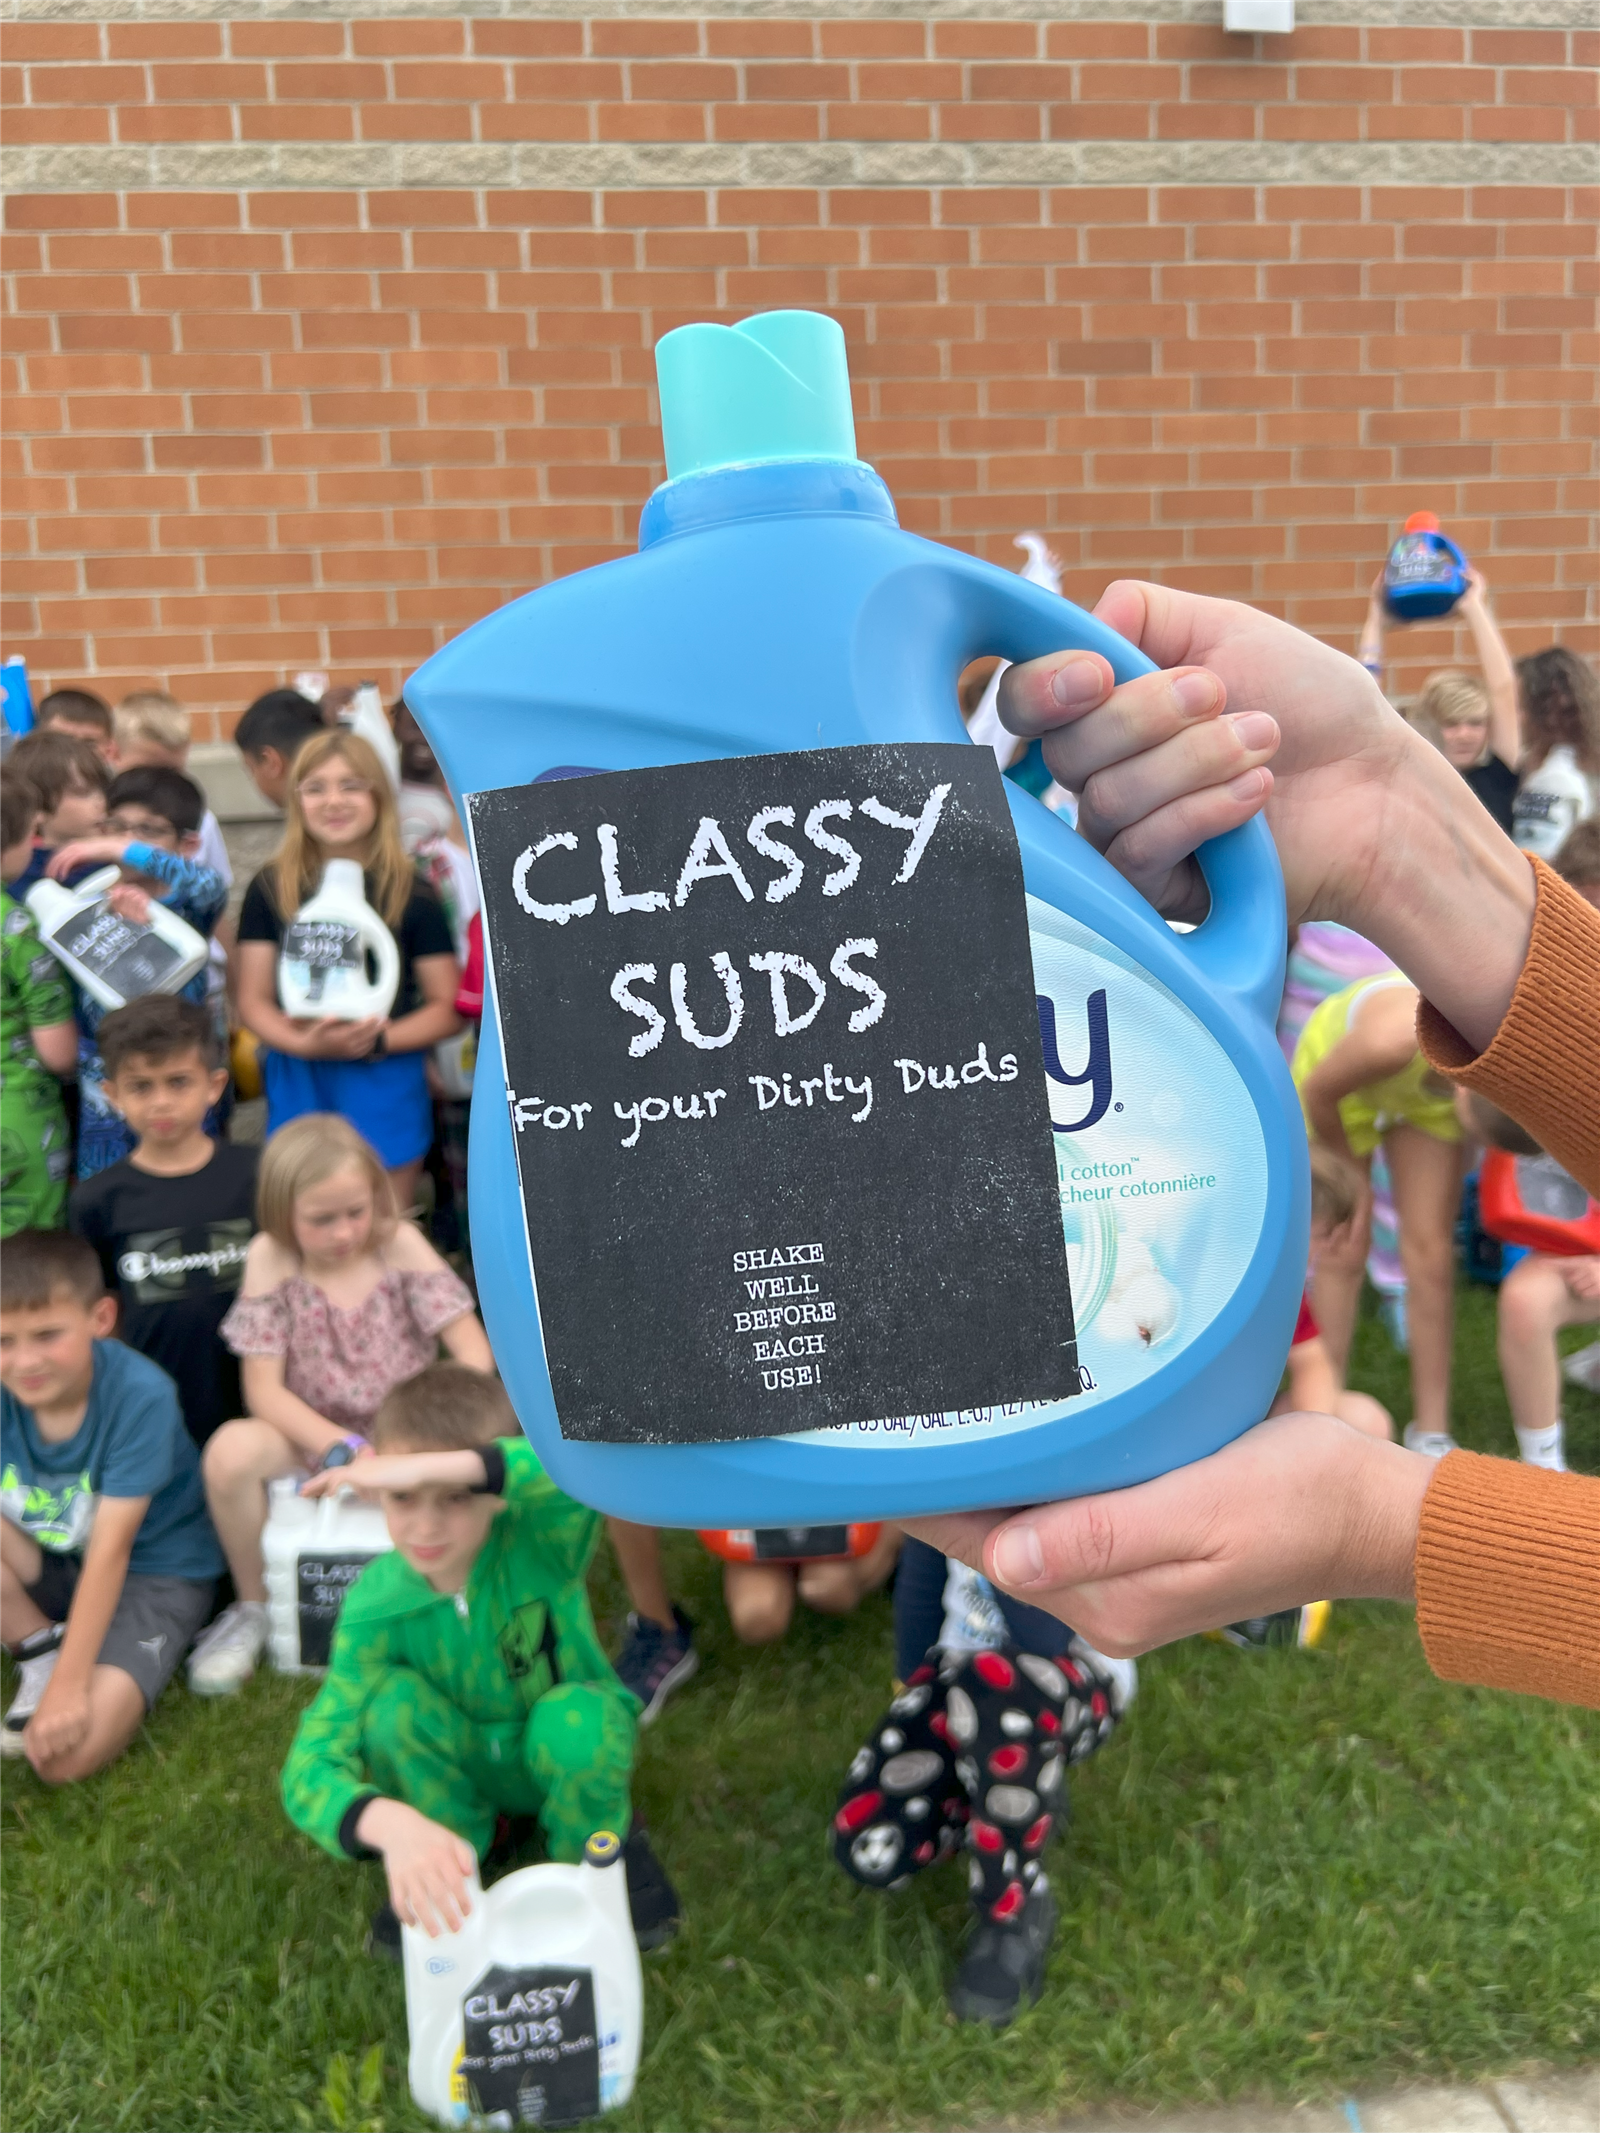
973 1752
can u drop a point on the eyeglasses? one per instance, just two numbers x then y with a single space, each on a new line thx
340 789
146 827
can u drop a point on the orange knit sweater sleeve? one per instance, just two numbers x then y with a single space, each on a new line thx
1544 1063
1508 1556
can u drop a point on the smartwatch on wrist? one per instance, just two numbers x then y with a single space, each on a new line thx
344 1453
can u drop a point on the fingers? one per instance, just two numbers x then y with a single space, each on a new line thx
1131 719
1095 1538
1155 751
1151 849
1038 695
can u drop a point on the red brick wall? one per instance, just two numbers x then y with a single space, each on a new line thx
258 426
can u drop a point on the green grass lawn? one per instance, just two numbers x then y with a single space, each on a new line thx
1291 1873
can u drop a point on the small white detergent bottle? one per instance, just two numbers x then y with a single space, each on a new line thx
532 2014
115 959
314 1549
338 957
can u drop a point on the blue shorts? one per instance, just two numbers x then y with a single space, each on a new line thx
386 1100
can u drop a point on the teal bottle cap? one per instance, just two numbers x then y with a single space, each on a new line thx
776 386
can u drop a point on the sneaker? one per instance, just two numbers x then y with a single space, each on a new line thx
1002 1971
1583 1367
1433 1443
36 1662
1299 1627
654 1661
383 1935
652 1899
225 1654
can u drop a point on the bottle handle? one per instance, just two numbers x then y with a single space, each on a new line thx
383 945
1240 944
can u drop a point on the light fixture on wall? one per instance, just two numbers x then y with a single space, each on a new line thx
1271 17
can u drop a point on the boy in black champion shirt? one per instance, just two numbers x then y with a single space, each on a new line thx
172 1221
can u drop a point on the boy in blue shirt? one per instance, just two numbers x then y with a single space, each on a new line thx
152 831
108 1563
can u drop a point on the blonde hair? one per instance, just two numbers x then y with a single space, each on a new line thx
1450 699
151 715
445 1408
298 866
309 1151
1333 1188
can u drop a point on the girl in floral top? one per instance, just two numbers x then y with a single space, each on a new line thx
340 1302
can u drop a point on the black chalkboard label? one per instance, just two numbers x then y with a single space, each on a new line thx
321 1582
323 946
132 960
530 2046
801 1544
773 1061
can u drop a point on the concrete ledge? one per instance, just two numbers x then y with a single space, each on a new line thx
218 769
356 166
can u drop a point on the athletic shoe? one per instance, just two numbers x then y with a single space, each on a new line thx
225 1654
652 1899
1002 1971
1433 1443
1291 1626
34 1668
1583 1367
654 1661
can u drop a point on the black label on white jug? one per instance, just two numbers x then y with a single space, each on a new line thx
530 2046
773 1061
323 946
132 960
321 1582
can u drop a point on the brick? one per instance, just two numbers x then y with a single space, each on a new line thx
28 41
1097 40
873 40
222 83
328 81
1436 47
286 40
160 40
99 85
396 36
1519 48
760 40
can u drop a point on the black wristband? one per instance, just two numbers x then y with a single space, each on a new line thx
348 1840
494 1471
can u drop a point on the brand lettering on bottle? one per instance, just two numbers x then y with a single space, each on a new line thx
1096 1074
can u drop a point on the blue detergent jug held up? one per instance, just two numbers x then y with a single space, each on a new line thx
869 1146
1426 573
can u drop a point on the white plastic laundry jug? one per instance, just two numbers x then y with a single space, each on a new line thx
115 959
338 957
532 2014
315 1548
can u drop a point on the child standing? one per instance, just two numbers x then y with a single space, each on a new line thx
373 1072
341 1302
1561 762
1364 1084
38 1040
152 831
70 782
466 1677
107 1559
972 1756
80 713
172 1221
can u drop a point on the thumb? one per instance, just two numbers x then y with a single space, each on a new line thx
1171 627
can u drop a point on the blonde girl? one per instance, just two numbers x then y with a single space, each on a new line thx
340 1302
373 1072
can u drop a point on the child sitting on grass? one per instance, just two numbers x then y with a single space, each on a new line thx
173 1221
107 1560
341 1302
38 1039
466 1679
152 831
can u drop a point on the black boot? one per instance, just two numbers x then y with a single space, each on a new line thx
1002 1971
383 1934
651 1897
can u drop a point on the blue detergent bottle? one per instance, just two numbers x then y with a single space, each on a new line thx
776 607
1426 573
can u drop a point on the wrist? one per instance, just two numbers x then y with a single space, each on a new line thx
1379 1493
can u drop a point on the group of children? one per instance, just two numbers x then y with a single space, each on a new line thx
217 1317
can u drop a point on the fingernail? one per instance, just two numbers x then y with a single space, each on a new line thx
1078 684
1196 691
1248 785
1018 1558
1256 729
